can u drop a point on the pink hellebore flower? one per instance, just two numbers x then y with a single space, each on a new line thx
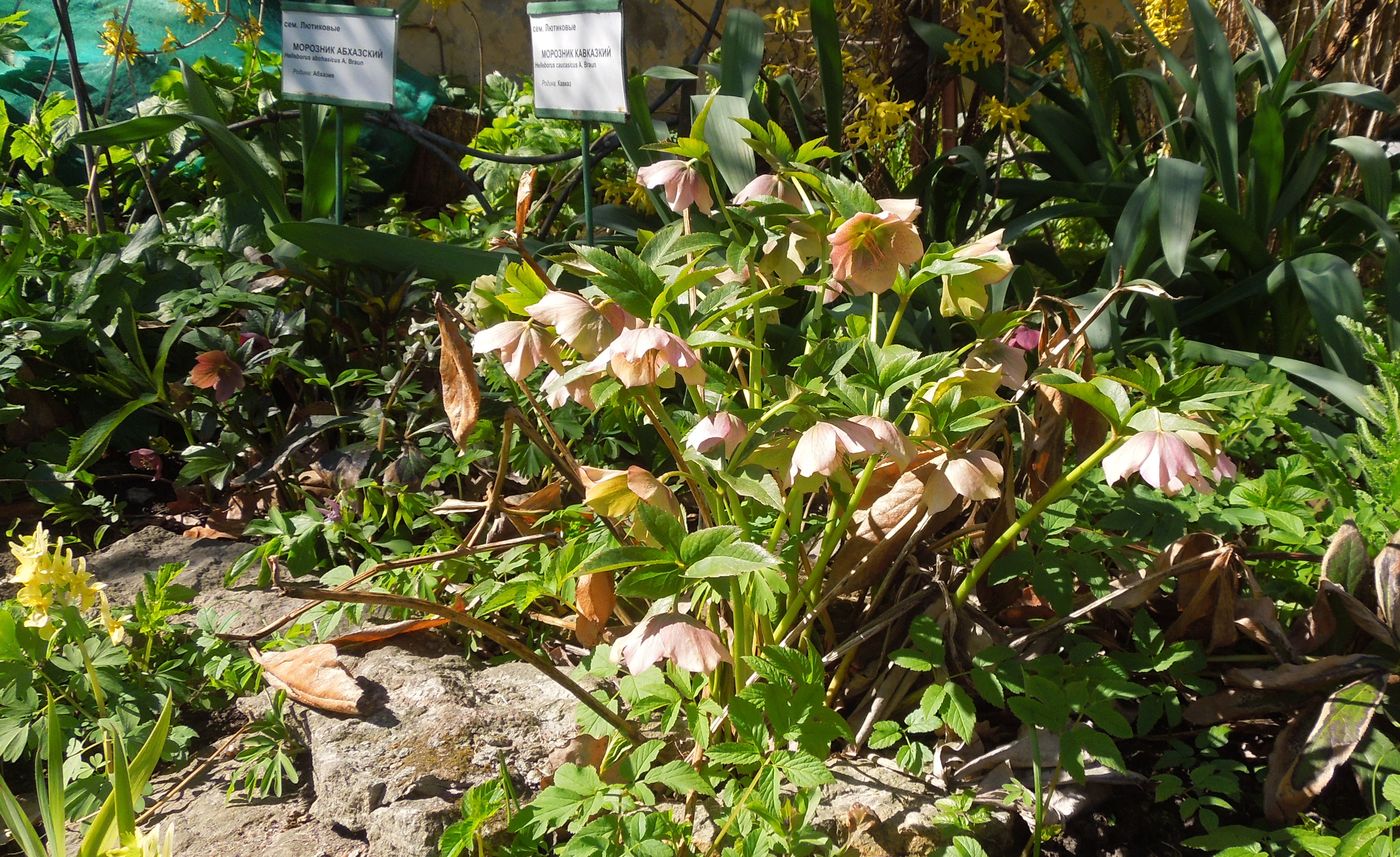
1163 459
557 391
680 182
867 250
825 446
1023 337
639 357
765 186
1210 450
522 346
717 429
579 323
215 370
975 475
674 637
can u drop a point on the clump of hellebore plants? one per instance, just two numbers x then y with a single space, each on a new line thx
777 346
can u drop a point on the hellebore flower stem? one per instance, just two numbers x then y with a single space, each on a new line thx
656 411
874 317
830 537
898 318
1008 538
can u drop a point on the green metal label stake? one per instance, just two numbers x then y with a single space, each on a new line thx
580 71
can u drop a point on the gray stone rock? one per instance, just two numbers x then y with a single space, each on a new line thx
205 822
409 827
436 727
123 566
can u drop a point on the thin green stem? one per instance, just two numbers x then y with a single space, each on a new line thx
898 318
830 537
1008 538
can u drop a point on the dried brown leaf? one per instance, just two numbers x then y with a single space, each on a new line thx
1387 575
461 394
380 633
524 193
1234 703
1313 745
1258 618
596 595
313 676
1322 674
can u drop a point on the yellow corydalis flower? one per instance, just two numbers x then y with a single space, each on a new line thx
50 577
1007 117
119 41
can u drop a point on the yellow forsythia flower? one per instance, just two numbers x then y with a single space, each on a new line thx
980 44
169 43
249 31
1166 18
195 10
784 20
119 41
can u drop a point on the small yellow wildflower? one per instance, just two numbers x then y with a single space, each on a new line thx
1007 117
980 44
249 32
48 578
195 10
119 41
115 626
784 20
1166 18
157 842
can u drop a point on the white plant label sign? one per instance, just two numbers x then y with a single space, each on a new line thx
339 54
578 58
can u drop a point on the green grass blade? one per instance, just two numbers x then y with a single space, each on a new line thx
741 53
17 822
1179 186
827 39
1216 115
143 764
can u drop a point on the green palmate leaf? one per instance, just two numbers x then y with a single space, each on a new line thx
614 559
732 560
1347 391
742 753
1215 98
802 769
93 442
679 777
1345 562
1331 289
886 733
826 39
1104 395
664 527
1179 193
394 253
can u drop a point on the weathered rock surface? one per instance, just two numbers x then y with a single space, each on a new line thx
123 566
438 726
205 822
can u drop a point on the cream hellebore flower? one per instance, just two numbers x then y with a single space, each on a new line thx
974 475
616 493
557 391
644 356
765 186
1009 362
681 182
966 294
823 448
715 430
522 346
868 249
1163 459
674 637
584 327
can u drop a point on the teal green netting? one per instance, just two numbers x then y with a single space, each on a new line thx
45 66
